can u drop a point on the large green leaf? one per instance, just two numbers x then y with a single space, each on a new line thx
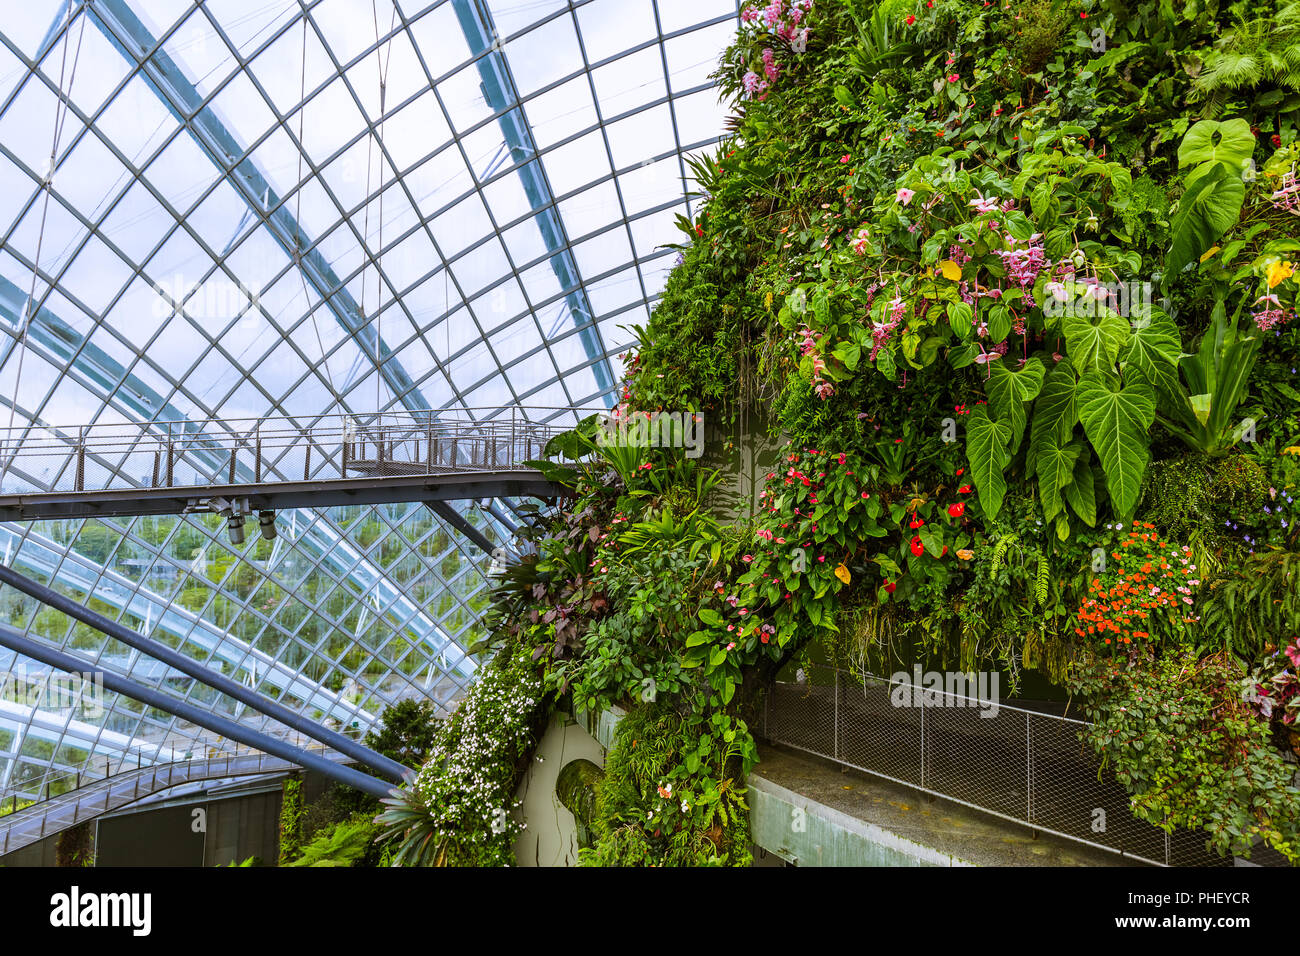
1154 349
1116 423
986 450
1009 390
1082 492
1229 142
1055 412
1094 341
1209 208
1055 472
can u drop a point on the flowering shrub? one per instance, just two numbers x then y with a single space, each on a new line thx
459 809
779 20
1149 587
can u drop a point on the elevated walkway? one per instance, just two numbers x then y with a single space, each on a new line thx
241 466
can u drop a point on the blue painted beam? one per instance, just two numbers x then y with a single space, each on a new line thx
493 72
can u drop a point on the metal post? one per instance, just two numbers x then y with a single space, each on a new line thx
81 460
836 744
1029 776
922 708
257 455
232 464
306 463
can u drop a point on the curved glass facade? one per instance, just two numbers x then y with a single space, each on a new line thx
240 209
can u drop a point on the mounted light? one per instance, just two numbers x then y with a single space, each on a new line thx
266 523
235 528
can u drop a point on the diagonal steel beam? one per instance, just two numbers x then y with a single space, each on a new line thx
39 651
219 682
481 35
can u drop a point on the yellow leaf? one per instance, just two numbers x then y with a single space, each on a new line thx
1209 252
842 573
950 270
1292 450
1278 272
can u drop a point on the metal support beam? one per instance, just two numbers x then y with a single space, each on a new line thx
203 675
278 496
480 35
449 514
38 651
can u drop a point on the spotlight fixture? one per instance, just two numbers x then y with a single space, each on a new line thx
266 521
235 528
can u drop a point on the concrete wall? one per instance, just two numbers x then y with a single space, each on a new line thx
550 838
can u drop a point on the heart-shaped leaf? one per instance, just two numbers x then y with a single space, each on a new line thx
1094 341
986 449
1229 142
1116 423
1009 390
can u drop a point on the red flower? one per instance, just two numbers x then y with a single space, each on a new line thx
916 522
889 586
1276 140
953 77
1083 15
918 548
910 20
964 490
957 510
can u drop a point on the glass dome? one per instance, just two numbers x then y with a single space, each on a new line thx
240 209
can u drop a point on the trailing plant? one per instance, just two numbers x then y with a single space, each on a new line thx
291 820
459 811
1178 733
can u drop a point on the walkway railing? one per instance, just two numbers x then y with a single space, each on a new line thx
34 822
1020 764
189 454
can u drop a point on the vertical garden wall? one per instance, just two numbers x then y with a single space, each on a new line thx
1013 285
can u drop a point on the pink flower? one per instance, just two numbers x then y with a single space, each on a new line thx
845 158
905 196
953 77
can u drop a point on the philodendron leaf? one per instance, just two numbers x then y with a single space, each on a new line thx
986 450
1154 349
1056 471
1055 412
1209 208
1116 423
1229 142
1093 341
1009 390
1082 492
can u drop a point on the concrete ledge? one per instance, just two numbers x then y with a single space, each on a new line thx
808 833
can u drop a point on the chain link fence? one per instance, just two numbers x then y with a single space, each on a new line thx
1025 765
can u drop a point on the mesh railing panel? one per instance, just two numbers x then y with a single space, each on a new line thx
1015 762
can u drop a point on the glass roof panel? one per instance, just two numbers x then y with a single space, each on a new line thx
249 196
